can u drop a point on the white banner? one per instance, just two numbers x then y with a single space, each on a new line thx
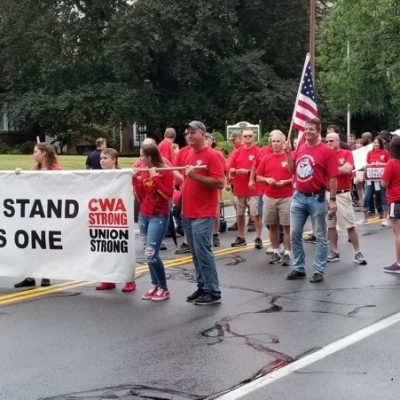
360 156
73 225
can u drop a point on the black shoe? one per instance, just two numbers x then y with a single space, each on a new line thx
239 242
216 241
251 228
310 239
195 295
45 282
233 228
316 278
258 244
25 283
182 249
295 275
207 299
163 246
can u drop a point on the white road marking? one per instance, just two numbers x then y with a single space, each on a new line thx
311 358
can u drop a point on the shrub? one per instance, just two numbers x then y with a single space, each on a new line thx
263 140
26 147
219 137
226 147
4 148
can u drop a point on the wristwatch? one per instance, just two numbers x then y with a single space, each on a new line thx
332 198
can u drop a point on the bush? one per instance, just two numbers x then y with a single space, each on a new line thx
263 140
26 147
226 147
219 137
4 148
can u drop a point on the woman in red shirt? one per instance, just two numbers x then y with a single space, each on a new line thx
377 156
391 181
46 160
109 160
153 191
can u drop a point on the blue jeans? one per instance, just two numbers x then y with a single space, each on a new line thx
260 205
199 233
152 231
369 192
301 208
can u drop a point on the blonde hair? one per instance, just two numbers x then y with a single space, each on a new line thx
112 153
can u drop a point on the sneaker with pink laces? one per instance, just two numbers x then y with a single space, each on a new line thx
150 293
160 295
392 269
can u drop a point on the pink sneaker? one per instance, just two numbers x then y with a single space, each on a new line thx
129 287
393 269
160 295
150 293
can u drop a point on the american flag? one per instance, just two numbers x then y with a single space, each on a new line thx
305 107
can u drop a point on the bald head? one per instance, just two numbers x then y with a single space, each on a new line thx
366 138
333 141
148 141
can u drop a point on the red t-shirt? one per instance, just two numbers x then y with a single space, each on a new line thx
264 151
314 167
199 201
243 158
392 175
342 157
179 160
56 167
166 150
139 164
275 166
154 193
378 157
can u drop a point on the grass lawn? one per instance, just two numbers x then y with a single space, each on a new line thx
10 162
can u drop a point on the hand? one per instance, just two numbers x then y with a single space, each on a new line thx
252 184
332 206
228 188
281 183
232 171
190 171
287 147
135 172
242 171
271 181
18 170
153 172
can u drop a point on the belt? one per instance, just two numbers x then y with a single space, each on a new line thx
309 194
342 191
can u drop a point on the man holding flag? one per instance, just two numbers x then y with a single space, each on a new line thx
315 170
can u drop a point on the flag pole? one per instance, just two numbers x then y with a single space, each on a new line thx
298 94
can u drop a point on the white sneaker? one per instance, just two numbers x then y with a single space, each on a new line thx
385 222
362 221
269 250
282 248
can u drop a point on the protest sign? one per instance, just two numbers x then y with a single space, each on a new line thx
73 225
360 156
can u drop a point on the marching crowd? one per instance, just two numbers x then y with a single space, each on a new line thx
279 186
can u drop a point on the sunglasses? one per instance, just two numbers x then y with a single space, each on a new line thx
247 136
329 141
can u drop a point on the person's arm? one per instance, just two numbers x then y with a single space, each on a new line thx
387 175
384 184
289 158
88 166
163 184
346 169
332 192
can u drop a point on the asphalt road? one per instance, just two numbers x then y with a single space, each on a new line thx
72 342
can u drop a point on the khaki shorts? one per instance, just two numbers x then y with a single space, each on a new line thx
344 217
232 199
242 202
277 211
359 177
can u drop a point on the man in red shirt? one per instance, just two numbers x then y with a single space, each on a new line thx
276 181
344 216
315 171
245 189
165 146
200 198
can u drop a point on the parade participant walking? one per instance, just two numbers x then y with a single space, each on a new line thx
165 146
46 160
391 181
153 191
93 159
245 189
109 160
199 207
315 170
377 157
344 216
278 192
